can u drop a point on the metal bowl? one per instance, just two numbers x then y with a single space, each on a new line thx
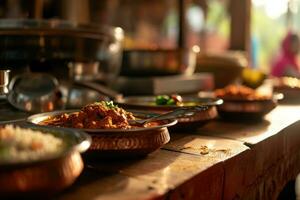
111 143
196 120
158 62
234 109
48 174
35 92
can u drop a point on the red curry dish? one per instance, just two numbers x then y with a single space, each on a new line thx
99 115
239 92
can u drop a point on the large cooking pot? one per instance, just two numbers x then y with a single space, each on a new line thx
158 62
49 45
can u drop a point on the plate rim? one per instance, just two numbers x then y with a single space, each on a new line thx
30 119
214 102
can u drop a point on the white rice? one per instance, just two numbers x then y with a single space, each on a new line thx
19 144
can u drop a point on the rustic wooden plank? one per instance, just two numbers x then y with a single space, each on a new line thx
94 184
212 148
246 169
163 174
253 132
272 141
271 183
234 154
227 169
201 187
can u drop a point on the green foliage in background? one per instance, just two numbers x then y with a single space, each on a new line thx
269 33
217 18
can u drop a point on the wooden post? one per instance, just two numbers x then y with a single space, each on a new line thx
35 9
76 10
240 12
182 24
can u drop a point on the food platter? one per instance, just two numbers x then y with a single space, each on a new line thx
147 103
242 103
38 118
289 87
57 171
247 109
110 143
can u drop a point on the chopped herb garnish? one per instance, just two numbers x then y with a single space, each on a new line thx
110 104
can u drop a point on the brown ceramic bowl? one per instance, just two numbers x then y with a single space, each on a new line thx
48 174
201 117
240 109
226 67
110 143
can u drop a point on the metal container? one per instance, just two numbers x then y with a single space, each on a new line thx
200 117
49 45
242 109
35 92
121 143
48 174
158 62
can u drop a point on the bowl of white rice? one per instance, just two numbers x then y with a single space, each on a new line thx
37 160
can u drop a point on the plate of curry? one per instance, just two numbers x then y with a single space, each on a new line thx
112 134
244 103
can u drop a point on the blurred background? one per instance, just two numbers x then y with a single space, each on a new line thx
152 24
195 44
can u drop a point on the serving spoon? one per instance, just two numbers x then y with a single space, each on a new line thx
177 113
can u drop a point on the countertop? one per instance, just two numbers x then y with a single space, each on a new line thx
247 160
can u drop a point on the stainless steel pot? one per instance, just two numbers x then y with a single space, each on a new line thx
49 45
158 62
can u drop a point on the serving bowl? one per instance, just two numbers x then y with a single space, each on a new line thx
289 87
226 68
49 174
243 109
200 117
111 143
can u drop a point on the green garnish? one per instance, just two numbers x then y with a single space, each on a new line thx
168 100
107 104
110 104
162 99
171 102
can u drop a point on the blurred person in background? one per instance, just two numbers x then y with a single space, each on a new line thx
286 62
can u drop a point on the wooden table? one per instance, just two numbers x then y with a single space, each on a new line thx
243 161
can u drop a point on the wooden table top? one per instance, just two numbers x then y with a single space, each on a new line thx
222 160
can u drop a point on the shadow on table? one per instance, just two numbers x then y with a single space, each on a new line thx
155 161
92 184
